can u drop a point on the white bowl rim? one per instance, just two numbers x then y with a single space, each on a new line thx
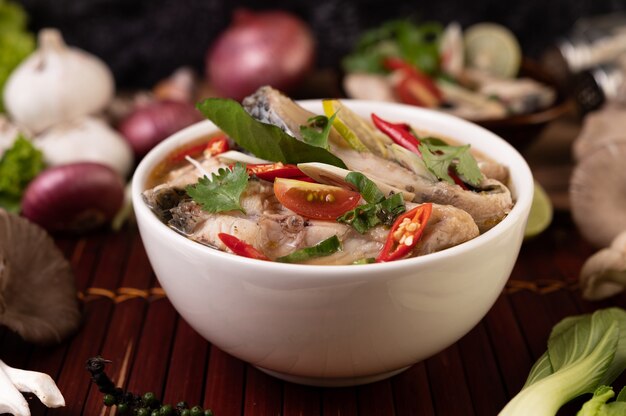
157 154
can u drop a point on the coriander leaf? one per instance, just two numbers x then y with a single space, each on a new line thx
317 131
441 158
368 189
365 217
222 192
262 140
18 166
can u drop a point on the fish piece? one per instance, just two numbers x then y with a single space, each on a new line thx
488 204
276 231
447 227
171 192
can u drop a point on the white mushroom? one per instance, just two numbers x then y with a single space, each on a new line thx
598 194
600 128
364 86
13 381
604 273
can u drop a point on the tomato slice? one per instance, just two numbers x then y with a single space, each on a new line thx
314 200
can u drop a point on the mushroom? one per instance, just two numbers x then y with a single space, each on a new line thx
600 128
37 292
13 381
598 194
604 273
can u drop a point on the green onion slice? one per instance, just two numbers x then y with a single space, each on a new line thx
325 248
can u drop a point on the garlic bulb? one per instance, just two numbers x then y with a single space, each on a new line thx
86 140
8 134
57 83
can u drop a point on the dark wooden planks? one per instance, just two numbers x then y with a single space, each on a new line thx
411 391
73 380
448 383
263 395
225 380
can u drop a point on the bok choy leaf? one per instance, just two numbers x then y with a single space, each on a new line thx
584 353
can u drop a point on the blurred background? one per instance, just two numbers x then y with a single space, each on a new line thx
145 40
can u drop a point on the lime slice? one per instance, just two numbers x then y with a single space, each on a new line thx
492 48
342 124
540 213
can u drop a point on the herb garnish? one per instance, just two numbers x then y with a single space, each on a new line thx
378 210
262 140
222 192
440 157
18 166
324 248
317 130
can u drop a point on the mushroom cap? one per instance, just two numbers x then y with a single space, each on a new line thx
598 194
37 291
599 129
603 274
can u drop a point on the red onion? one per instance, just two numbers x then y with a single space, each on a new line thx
266 48
74 197
148 125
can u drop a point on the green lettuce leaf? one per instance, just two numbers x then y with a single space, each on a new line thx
18 166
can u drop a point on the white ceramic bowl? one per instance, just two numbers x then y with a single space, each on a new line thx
339 325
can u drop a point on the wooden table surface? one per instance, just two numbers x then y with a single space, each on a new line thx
127 319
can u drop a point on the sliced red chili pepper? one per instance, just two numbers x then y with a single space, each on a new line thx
405 233
271 171
241 248
414 87
217 145
399 133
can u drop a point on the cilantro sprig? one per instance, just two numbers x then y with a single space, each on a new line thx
222 192
379 210
440 158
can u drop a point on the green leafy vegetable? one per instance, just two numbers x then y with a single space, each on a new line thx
368 189
222 192
15 42
417 44
440 157
365 217
584 352
598 406
18 166
325 248
263 140
317 131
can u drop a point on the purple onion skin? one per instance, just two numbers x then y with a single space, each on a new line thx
267 48
75 198
149 125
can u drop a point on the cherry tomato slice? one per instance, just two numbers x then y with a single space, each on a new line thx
271 171
314 200
241 248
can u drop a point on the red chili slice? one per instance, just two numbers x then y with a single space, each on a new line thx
271 171
398 132
405 233
414 87
241 248
217 145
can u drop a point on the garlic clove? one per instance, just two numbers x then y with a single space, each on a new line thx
11 400
86 140
40 384
57 83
